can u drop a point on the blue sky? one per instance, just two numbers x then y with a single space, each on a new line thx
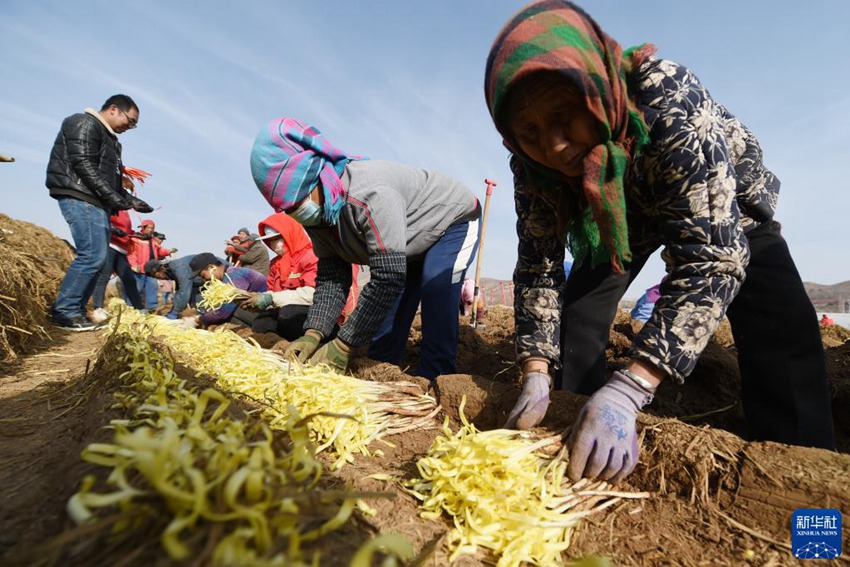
400 81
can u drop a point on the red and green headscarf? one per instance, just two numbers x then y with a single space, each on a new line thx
555 36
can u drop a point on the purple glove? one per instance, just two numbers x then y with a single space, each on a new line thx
603 443
533 402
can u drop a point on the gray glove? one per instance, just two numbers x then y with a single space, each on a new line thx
603 442
530 408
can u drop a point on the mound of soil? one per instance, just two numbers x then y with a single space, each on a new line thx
32 263
838 368
710 396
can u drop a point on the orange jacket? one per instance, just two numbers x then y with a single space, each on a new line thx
298 265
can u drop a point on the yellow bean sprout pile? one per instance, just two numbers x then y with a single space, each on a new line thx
505 496
347 413
184 455
216 293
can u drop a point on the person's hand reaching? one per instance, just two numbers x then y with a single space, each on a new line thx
603 443
335 354
303 348
258 301
533 402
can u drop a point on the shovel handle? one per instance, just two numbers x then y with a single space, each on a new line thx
490 185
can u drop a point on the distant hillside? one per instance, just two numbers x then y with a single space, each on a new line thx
824 297
829 297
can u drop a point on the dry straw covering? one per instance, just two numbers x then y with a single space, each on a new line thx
32 263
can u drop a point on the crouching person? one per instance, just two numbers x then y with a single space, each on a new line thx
415 229
615 154
187 285
208 267
291 281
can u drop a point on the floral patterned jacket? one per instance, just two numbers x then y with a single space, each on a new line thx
696 189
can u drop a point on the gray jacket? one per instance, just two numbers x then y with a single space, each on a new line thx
256 257
392 215
390 208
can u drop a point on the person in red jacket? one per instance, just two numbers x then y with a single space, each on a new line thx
145 248
120 243
291 279
233 254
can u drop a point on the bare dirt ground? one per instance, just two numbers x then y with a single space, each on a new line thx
718 500
42 431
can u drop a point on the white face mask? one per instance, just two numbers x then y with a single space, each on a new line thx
278 247
308 214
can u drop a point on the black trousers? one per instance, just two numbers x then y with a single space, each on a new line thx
288 321
784 390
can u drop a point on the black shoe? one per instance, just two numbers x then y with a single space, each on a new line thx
76 324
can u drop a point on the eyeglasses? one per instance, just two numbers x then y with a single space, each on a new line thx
132 121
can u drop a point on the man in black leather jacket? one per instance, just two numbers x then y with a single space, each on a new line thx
84 176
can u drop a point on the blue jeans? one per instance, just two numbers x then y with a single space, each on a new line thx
90 231
148 289
117 262
436 281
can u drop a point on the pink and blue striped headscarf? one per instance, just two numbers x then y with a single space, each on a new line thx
287 161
